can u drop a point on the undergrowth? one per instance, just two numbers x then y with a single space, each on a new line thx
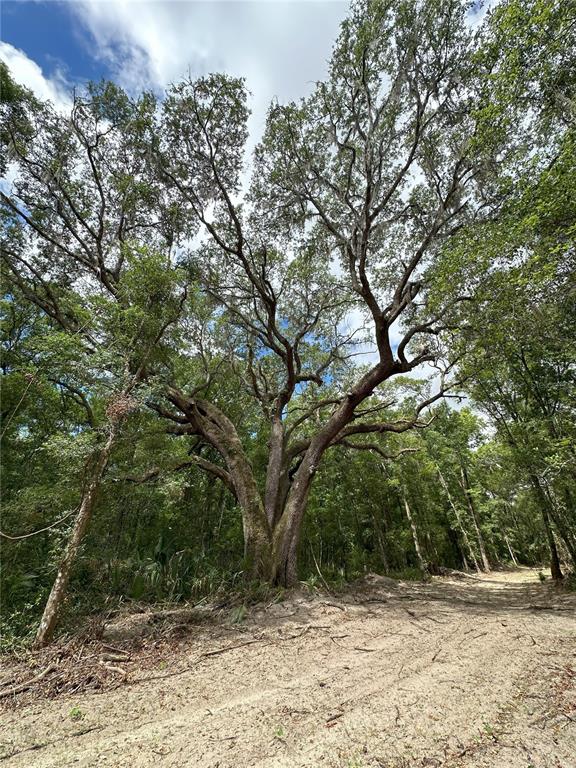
99 590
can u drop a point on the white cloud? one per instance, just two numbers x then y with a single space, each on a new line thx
26 72
478 12
281 47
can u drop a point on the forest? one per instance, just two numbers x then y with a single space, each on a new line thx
350 348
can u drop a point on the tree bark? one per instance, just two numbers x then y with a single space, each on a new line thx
472 508
274 471
286 536
216 429
555 569
507 540
459 521
257 540
287 532
58 592
381 545
415 536
565 532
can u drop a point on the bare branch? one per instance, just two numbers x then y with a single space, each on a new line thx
194 461
374 448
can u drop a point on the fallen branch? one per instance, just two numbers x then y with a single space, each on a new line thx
115 657
229 648
113 649
118 670
305 629
373 600
418 626
190 667
334 605
24 686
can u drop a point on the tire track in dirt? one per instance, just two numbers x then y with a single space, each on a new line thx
434 674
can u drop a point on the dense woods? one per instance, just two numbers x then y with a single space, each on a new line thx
351 351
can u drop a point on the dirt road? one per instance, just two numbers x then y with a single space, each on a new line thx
457 672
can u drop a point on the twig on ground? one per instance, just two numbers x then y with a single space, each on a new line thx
230 648
24 686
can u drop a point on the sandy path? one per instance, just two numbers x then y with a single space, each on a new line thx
454 673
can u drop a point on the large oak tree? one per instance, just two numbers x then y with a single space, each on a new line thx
354 191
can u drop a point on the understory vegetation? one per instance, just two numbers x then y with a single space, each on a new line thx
351 352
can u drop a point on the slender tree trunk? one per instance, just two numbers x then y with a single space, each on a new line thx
507 540
472 508
58 592
380 540
555 569
432 548
564 531
459 521
570 506
221 508
415 537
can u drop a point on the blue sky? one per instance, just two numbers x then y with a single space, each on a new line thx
280 46
50 35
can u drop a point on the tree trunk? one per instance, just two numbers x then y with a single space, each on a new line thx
58 592
207 420
286 539
564 531
257 553
257 540
272 528
555 569
472 508
507 540
381 545
274 472
286 535
415 537
287 531
460 524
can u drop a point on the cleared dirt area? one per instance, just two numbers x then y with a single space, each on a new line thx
457 672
